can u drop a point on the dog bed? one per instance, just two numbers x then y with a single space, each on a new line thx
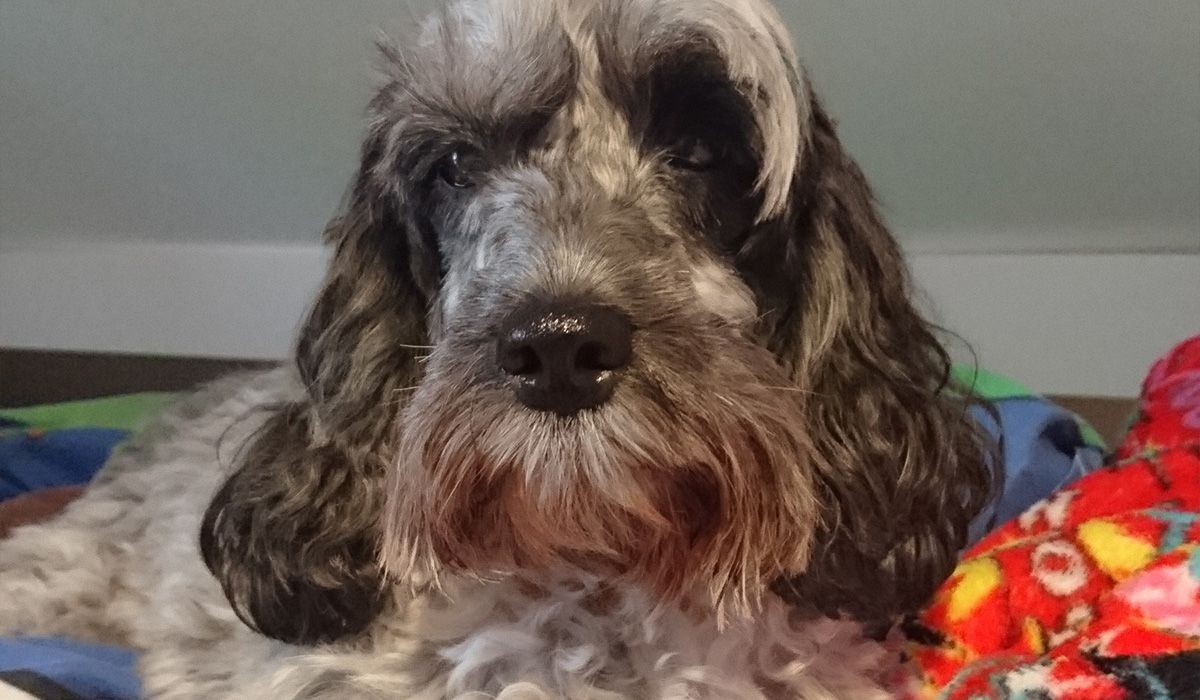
1094 592
48 452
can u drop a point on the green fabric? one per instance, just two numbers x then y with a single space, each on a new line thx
997 387
989 385
117 412
1090 435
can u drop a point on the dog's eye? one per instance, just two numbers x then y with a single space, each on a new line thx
692 153
459 168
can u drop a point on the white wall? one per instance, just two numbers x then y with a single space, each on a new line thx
984 124
1015 125
159 157
176 120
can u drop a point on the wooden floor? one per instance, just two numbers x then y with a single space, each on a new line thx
30 377
1109 416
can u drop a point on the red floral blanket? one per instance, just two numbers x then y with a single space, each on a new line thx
1093 593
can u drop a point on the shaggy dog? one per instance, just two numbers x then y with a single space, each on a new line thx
614 389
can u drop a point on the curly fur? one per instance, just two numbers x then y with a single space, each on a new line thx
783 460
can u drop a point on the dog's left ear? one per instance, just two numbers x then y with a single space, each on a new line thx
902 466
293 535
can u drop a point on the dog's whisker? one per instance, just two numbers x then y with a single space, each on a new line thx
792 389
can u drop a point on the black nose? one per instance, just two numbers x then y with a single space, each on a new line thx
563 359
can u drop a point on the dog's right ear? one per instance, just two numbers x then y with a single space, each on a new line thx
290 535
293 535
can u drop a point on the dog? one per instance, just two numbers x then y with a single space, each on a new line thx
615 388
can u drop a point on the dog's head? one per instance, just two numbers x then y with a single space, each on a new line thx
607 294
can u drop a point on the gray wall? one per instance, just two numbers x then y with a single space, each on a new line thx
985 124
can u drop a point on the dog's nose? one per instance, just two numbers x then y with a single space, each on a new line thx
564 359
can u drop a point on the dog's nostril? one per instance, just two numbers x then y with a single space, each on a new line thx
564 360
589 357
606 344
519 360
596 357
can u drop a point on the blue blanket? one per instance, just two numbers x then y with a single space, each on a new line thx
90 671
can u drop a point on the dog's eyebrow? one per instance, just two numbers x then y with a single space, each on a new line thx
747 44
691 68
497 85
507 114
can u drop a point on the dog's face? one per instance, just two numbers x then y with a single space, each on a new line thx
598 393
609 296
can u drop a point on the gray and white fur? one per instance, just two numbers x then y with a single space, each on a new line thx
761 450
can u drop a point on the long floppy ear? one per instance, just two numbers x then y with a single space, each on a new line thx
903 467
292 536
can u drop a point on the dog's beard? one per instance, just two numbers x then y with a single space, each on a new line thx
691 481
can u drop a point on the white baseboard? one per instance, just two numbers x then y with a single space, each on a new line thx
1062 323
211 299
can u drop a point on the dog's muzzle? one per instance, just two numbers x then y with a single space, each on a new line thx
564 358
